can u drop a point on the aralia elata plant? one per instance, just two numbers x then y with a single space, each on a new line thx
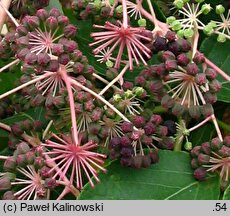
90 118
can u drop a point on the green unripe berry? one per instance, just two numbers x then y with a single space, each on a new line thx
220 9
199 1
180 33
119 9
176 25
179 4
128 94
206 8
188 33
221 38
109 64
170 20
208 30
188 146
138 91
142 22
117 98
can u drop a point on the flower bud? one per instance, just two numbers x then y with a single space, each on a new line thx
9 164
5 183
9 195
195 151
39 162
200 174
194 163
30 156
166 143
205 148
167 102
192 69
227 141
154 156
23 147
70 46
21 30
50 183
138 121
170 65
210 98
188 33
203 159
167 55
149 129
224 151
54 12
156 119
70 31
64 59
43 59
53 66
31 22
30 58
199 58
207 110
215 86
127 127
136 161
146 161
216 144
200 79
170 36
182 59
194 112
142 22
52 22
178 110
188 146
126 161
22 53
21 160
42 14
210 73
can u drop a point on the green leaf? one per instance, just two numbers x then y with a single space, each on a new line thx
55 4
226 195
219 54
172 178
202 135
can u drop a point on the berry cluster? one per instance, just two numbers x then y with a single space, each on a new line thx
26 170
20 8
213 156
138 146
96 10
183 85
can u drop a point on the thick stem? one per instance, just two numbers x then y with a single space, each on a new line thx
114 80
3 157
218 70
26 84
5 127
125 16
200 124
62 71
9 65
217 127
179 139
5 4
76 83
195 41
105 81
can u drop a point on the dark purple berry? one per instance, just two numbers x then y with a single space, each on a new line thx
200 174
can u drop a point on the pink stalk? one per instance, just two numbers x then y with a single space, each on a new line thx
125 17
63 73
76 83
5 4
9 65
218 70
114 80
200 124
47 74
195 42
3 157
